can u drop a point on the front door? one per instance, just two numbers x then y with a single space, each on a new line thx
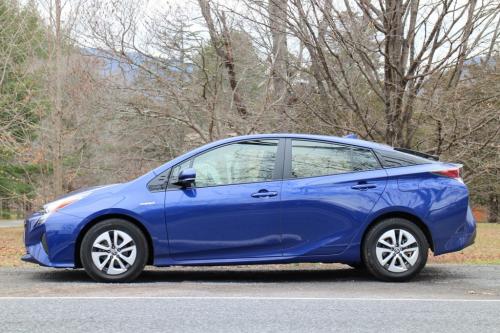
233 211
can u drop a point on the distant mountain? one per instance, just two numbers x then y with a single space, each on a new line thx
113 65
479 60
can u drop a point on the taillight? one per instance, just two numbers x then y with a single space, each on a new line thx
451 173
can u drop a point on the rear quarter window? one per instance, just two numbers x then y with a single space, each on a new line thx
394 159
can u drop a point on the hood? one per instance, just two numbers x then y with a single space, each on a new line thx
94 189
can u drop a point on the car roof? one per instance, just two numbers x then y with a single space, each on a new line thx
336 139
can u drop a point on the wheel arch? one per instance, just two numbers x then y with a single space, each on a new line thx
101 218
404 215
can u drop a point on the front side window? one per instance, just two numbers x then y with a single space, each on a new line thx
159 183
242 162
312 158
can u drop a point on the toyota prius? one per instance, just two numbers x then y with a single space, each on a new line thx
263 199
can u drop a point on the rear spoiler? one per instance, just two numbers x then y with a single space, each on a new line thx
418 153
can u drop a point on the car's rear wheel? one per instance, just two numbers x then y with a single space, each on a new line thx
114 250
395 250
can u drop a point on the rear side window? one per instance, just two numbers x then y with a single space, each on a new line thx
312 158
394 159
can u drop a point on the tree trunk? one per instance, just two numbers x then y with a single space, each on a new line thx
467 31
277 23
57 160
493 208
394 85
493 43
224 49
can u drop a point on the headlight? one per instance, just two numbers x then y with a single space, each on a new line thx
54 206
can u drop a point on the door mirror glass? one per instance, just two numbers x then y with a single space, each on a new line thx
186 178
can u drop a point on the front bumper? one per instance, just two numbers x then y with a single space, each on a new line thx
38 251
28 258
36 258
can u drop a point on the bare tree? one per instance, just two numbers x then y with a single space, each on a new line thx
279 62
394 46
221 41
390 71
57 115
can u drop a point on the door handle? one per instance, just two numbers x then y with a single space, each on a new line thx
264 193
363 187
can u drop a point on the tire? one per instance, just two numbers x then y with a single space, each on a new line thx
114 250
393 262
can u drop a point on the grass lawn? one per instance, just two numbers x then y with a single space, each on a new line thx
486 250
11 247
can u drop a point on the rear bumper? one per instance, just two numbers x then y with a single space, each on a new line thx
472 239
463 237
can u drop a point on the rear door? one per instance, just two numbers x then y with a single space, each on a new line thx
328 192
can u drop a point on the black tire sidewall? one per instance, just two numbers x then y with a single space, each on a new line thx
369 252
114 224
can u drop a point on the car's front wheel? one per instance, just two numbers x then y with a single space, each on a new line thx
114 250
395 250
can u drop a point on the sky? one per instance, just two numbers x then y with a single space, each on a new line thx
147 9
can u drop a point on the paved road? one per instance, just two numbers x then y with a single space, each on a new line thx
11 223
321 298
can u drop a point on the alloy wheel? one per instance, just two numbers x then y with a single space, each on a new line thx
397 250
114 252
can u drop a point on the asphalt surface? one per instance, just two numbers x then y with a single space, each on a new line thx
287 298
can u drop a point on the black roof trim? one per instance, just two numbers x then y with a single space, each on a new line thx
418 153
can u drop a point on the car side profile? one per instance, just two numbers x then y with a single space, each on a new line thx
257 199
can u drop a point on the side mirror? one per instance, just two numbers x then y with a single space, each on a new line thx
186 178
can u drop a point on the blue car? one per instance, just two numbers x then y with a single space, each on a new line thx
277 198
